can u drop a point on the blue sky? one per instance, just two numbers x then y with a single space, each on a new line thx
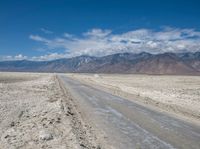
45 30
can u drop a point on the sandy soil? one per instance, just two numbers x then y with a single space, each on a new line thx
176 94
35 112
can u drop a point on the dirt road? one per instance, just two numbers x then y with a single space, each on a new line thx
125 124
175 94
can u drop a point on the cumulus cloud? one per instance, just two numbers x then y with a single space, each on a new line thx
20 57
99 42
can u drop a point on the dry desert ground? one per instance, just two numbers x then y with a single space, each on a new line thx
36 113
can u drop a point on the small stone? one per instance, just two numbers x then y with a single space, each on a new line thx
70 113
82 145
12 124
44 135
6 136
20 114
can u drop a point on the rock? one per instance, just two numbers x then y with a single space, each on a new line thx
12 124
96 75
20 114
45 135
6 136
58 120
82 145
70 113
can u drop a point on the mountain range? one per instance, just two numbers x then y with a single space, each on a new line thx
141 63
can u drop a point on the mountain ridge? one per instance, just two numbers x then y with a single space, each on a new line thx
140 63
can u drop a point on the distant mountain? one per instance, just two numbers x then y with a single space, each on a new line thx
191 59
167 63
142 63
116 63
59 65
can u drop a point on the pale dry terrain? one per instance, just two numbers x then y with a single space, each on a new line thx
35 112
176 94
46 111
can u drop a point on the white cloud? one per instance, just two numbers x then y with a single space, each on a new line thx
39 38
97 33
46 31
47 57
98 42
16 57
67 35
20 57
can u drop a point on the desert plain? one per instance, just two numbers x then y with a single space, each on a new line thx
37 112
